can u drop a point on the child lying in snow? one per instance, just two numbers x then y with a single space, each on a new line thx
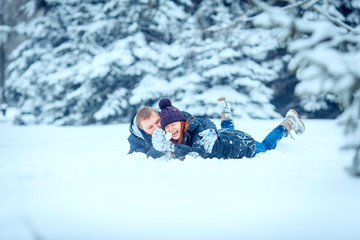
188 136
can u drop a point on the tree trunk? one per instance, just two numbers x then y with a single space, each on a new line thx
2 73
2 57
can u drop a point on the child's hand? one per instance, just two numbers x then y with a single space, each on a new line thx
161 141
209 136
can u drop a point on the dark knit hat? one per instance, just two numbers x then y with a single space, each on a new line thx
169 114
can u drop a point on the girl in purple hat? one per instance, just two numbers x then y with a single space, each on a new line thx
188 136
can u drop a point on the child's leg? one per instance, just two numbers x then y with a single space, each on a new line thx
227 124
271 140
225 113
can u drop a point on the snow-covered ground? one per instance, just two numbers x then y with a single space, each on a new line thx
80 183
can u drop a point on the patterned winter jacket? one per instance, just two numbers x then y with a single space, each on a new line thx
230 143
140 141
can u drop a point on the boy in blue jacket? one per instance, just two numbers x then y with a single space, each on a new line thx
144 123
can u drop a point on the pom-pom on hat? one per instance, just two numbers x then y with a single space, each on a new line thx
169 114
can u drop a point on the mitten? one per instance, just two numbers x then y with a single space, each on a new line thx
160 141
209 136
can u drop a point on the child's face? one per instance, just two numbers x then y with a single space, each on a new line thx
175 129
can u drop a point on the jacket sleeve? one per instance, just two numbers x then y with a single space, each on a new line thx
136 144
207 123
154 153
182 150
139 145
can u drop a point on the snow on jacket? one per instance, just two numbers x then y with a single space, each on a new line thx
230 143
140 141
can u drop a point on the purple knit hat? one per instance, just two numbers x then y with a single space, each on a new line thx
169 114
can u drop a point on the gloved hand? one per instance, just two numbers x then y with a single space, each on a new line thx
161 142
209 136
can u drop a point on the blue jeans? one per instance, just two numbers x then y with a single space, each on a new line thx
268 143
228 124
271 140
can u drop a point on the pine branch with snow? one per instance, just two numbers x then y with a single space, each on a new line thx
325 50
98 62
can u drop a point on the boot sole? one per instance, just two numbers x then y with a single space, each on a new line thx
295 112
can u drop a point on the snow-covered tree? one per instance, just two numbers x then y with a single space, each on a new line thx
9 17
99 61
326 50
4 32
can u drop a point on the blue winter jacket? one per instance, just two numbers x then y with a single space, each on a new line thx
230 143
140 141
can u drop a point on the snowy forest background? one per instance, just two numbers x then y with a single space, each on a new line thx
72 62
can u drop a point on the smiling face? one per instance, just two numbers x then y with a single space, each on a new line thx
175 129
150 124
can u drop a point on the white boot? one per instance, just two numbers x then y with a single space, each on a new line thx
293 122
224 109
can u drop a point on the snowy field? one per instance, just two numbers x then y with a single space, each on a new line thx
61 183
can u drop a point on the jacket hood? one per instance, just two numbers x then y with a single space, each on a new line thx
134 129
188 115
193 124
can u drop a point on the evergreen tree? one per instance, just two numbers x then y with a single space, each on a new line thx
99 61
90 62
9 17
326 48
